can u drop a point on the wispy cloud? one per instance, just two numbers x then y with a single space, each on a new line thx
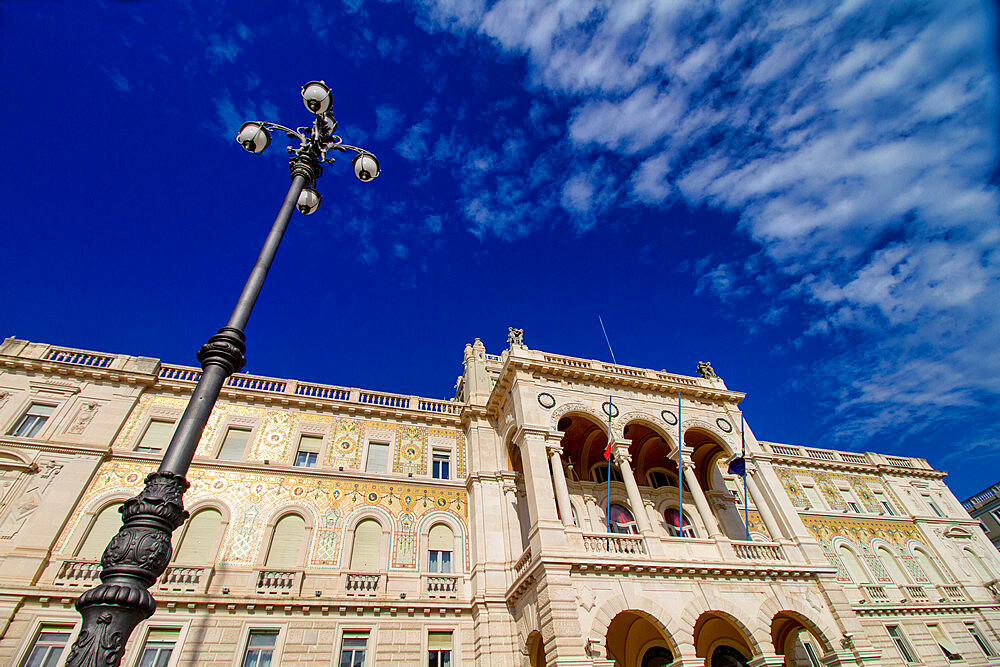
857 143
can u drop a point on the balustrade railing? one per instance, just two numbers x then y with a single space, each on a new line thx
953 593
615 545
78 357
187 579
279 582
916 593
522 563
179 373
321 391
902 463
853 458
821 454
875 593
256 383
441 585
758 551
362 584
78 573
785 450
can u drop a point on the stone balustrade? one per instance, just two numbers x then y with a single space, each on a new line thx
441 585
78 572
362 584
522 563
915 593
758 551
875 593
181 579
279 582
614 545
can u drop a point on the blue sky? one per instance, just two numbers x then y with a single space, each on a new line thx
804 194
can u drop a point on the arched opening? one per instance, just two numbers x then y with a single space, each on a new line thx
979 565
721 642
857 571
708 454
796 638
440 544
634 638
518 508
892 565
650 451
286 542
621 520
536 650
583 444
102 529
929 567
672 517
199 543
366 551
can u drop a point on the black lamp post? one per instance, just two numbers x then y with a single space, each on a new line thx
141 550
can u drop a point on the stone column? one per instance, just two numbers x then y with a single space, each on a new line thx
538 488
700 501
761 502
559 476
624 459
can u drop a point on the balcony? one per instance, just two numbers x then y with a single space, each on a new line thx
875 593
611 544
915 593
279 582
76 572
440 585
180 579
758 551
362 584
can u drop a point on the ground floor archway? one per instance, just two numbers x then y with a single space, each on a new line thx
636 639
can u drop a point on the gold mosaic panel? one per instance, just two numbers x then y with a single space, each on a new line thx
411 450
253 499
862 533
345 444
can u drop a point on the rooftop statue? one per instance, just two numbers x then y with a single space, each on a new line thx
705 370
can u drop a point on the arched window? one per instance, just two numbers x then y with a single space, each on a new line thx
440 543
286 542
198 543
660 478
981 569
600 473
367 549
673 518
727 656
892 565
103 528
622 521
928 566
859 574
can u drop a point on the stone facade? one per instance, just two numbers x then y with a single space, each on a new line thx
985 507
852 559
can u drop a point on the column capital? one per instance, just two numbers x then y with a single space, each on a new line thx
553 448
621 453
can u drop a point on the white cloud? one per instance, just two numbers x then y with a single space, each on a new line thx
858 143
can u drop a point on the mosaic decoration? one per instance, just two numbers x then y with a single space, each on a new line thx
345 444
411 450
142 408
830 491
865 494
757 524
254 498
275 435
861 533
792 488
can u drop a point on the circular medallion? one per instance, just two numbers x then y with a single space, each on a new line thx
441 502
274 437
346 446
335 494
298 491
609 408
669 417
546 400
372 497
411 452
257 489
132 478
219 485
724 425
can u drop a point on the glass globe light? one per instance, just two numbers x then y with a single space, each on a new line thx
253 137
366 166
309 200
317 97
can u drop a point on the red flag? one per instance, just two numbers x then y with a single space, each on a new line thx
607 450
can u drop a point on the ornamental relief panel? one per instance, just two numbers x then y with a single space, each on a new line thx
253 500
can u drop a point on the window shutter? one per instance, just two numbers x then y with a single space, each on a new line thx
310 443
367 545
157 435
441 538
234 444
378 456
286 542
928 566
438 641
102 530
198 542
854 567
892 565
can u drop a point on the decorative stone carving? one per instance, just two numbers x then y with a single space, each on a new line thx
515 337
4 395
83 417
28 501
705 370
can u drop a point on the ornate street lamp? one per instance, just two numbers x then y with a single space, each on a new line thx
140 552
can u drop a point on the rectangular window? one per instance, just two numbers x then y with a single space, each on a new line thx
441 465
308 453
438 649
851 501
32 421
156 437
260 648
234 444
158 647
811 654
984 645
815 500
884 504
378 457
353 647
944 643
48 647
440 561
899 639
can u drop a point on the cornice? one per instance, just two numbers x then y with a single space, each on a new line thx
50 446
113 375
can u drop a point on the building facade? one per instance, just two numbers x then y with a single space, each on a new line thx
340 526
985 508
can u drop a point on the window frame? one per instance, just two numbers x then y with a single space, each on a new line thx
901 642
438 455
146 427
369 643
41 626
452 657
950 654
298 449
615 471
239 659
144 631
981 640
26 413
227 428
388 456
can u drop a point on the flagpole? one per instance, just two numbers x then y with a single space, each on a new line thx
746 502
680 468
611 409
